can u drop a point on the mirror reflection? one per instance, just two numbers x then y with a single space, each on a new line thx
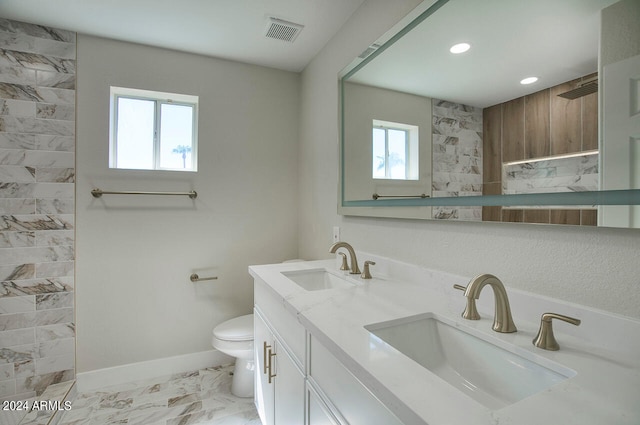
483 98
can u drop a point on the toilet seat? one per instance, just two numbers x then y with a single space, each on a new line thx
236 329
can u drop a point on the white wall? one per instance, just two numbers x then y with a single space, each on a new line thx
135 253
595 267
363 105
619 22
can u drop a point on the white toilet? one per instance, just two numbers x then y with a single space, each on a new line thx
235 338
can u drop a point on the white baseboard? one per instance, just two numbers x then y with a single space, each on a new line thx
95 379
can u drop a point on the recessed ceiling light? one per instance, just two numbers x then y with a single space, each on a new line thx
460 48
529 80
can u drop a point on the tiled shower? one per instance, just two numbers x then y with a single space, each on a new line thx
457 157
37 192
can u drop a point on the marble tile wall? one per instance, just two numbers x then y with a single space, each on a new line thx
37 184
573 174
457 157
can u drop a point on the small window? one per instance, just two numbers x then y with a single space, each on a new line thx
395 151
153 130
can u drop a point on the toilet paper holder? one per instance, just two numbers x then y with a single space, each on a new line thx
195 278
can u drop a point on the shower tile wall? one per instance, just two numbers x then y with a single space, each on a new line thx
457 157
574 174
37 180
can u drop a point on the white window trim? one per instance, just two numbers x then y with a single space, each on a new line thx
159 98
411 147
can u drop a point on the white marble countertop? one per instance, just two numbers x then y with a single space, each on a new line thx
604 351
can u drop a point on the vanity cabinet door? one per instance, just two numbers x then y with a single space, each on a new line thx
352 400
286 326
263 341
279 383
289 390
317 412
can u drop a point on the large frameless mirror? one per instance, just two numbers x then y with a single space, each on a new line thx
497 111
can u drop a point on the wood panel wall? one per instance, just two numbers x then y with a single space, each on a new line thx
533 126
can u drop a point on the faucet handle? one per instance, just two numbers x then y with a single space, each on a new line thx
366 274
471 311
545 338
344 265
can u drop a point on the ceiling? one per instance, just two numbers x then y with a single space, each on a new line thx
554 40
229 29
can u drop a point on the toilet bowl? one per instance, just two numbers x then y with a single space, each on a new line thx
235 338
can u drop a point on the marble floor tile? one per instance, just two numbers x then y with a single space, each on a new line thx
201 397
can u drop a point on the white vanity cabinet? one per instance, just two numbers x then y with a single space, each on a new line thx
279 381
299 381
354 402
279 342
317 412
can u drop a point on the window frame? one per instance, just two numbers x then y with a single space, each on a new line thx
411 149
159 99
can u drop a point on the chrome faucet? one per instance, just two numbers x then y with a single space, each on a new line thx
352 255
502 322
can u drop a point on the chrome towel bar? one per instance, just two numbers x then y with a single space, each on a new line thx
97 193
195 278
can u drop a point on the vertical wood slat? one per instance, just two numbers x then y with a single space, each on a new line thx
590 119
565 121
512 215
589 217
537 132
492 213
541 216
513 130
492 145
565 217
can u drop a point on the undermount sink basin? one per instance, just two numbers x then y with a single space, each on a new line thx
491 375
317 279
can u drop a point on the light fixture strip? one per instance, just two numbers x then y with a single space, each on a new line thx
552 157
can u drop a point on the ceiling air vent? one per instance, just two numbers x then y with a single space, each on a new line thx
283 30
369 50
